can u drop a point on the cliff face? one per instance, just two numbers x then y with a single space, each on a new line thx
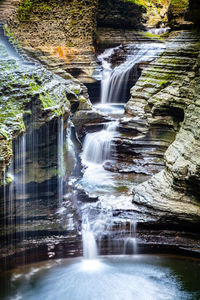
57 33
167 94
56 23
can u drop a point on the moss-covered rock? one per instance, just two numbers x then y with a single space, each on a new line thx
31 97
42 22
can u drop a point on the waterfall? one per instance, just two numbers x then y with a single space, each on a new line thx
114 81
60 160
130 243
98 145
107 69
9 211
15 212
89 243
20 180
97 148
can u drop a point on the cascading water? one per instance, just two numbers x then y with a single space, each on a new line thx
15 215
130 243
34 179
90 250
20 179
159 31
107 69
60 160
97 149
97 146
114 81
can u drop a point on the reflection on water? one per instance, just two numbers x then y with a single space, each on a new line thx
110 278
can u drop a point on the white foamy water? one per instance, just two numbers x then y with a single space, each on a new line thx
159 31
114 81
89 243
98 145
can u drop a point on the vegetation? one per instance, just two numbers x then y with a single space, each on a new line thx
146 3
179 4
26 7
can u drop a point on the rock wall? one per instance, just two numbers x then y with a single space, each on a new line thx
58 33
177 14
56 23
167 94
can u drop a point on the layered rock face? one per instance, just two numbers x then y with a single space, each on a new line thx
58 33
56 23
167 94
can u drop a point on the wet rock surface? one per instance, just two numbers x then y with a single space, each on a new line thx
170 99
35 134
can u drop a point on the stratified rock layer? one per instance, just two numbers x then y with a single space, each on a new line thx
58 33
167 94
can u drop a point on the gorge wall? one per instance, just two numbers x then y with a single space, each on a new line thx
167 94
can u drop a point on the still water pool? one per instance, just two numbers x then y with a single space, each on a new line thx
107 278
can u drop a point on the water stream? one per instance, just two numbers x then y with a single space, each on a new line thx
99 150
114 80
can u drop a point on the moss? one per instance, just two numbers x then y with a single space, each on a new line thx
21 88
146 3
51 103
9 178
28 7
179 4
84 104
138 2
11 36
150 35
